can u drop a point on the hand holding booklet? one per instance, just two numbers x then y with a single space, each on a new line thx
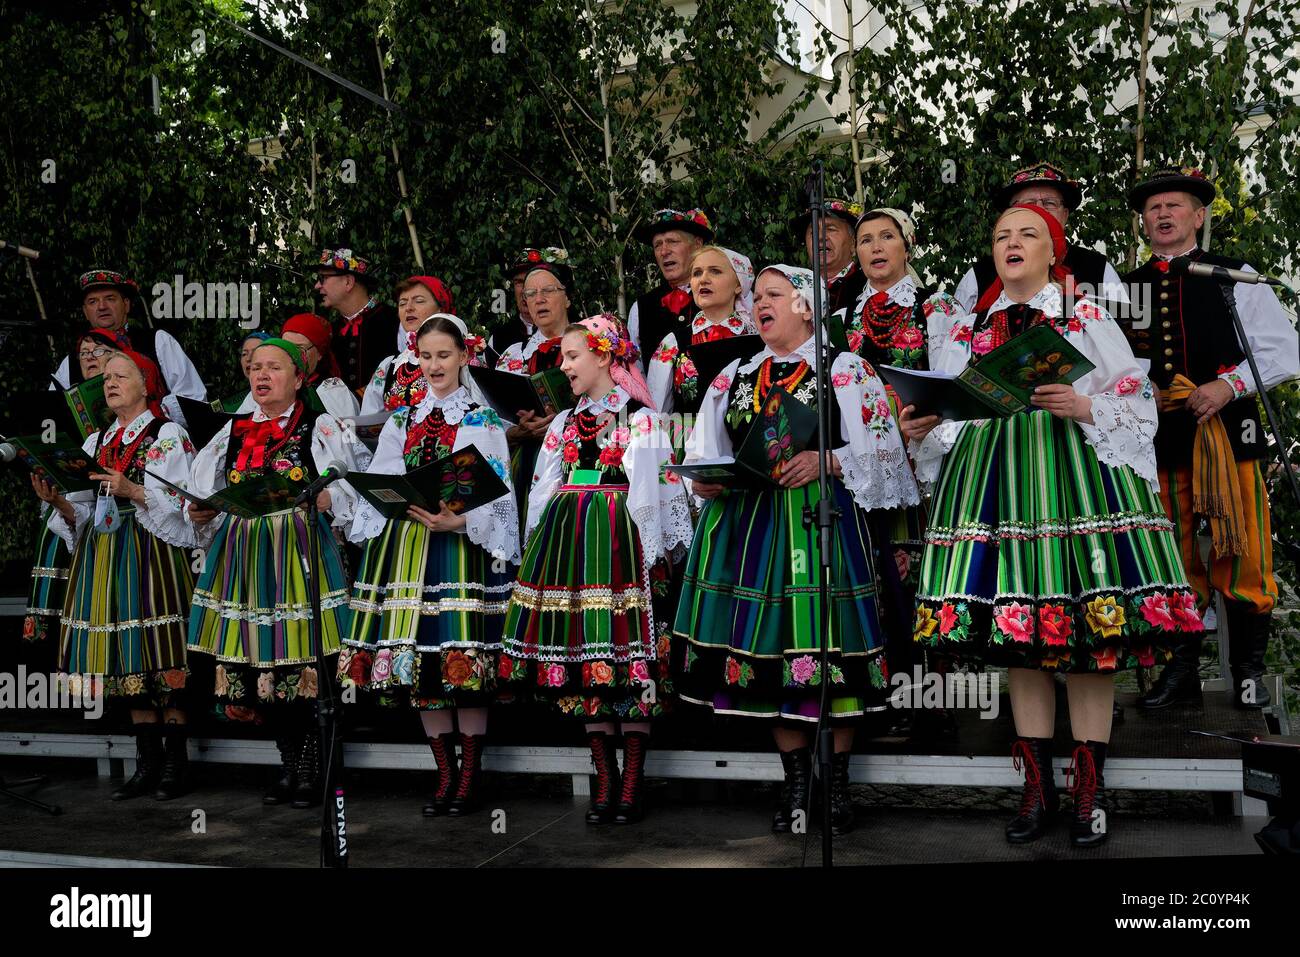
999 385
463 480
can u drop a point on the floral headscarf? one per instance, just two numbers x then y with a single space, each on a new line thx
802 280
606 333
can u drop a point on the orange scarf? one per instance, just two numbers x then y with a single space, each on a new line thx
1216 493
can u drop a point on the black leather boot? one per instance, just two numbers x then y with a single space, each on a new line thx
631 794
172 783
148 764
605 762
1090 822
794 795
443 747
288 742
1247 646
466 798
306 792
842 813
1180 681
1039 802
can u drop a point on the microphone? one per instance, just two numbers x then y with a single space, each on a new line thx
7 452
1181 264
335 471
20 250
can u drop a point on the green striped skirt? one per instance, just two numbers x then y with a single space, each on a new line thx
578 631
1039 556
427 613
750 609
49 584
252 613
124 614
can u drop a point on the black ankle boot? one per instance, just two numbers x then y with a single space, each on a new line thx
443 747
148 764
1180 681
288 743
1247 647
172 783
306 792
842 813
1039 802
631 794
607 782
794 795
466 798
1090 821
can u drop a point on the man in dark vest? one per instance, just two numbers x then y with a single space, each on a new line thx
1207 397
519 328
1048 186
106 299
673 235
844 278
367 330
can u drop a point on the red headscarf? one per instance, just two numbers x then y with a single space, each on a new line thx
317 330
441 294
154 388
1060 272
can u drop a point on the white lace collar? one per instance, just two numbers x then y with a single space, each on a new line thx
611 402
132 430
535 340
737 324
260 416
807 352
1047 299
902 292
453 406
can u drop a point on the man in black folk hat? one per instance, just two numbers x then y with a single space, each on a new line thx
367 330
1048 186
844 277
106 301
673 235
1207 404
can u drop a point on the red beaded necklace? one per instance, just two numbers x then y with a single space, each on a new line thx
881 319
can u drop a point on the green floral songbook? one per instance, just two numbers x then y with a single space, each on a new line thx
783 428
464 480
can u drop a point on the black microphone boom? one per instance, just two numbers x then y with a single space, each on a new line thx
334 472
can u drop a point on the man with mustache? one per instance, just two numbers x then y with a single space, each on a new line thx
1208 412
841 272
673 235
368 330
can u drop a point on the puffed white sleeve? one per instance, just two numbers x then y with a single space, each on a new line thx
1113 291
338 400
1272 339
207 475
512 359
939 310
949 351
62 374
493 526
659 375
655 498
331 443
874 461
373 399
709 438
547 474
1123 400
367 521
634 324
178 372
83 504
967 291
171 457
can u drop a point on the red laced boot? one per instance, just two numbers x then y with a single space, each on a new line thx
444 752
1040 802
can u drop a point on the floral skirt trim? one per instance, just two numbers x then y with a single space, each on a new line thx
149 689
594 690
733 682
447 677
247 687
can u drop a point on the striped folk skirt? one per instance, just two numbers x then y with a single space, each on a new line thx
427 613
579 630
49 584
124 614
252 613
1040 556
750 610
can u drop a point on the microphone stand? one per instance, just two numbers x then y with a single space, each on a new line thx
1274 424
825 514
333 834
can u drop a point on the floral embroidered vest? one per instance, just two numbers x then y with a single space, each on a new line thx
598 441
404 384
740 398
255 450
429 439
132 458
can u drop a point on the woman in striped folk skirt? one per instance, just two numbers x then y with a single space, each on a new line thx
251 611
587 623
750 610
1048 549
430 597
129 584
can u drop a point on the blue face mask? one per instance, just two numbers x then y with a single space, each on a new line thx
107 517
